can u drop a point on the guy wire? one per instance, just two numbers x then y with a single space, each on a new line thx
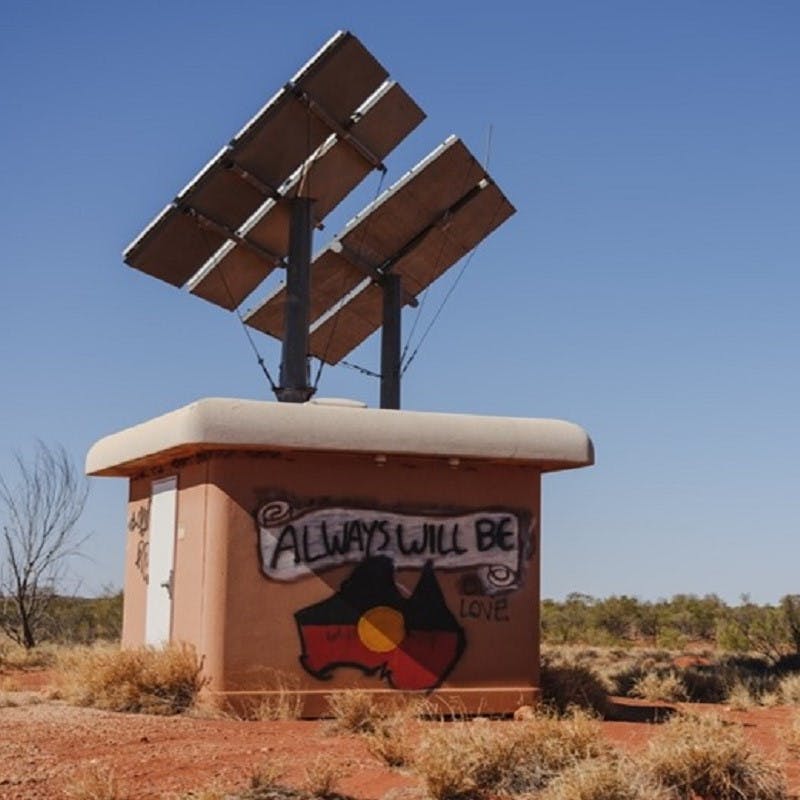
450 291
341 289
362 370
235 308
458 277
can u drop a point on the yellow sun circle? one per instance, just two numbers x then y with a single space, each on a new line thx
381 629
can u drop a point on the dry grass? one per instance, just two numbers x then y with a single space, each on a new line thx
281 702
207 793
138 680
394 736
15 699
710 679
263 784
388 726
354 711
474 759
392 742
9 700
566 684
14 656
255 791
267 774
208 708
789 689
94 783
321 776
704 757
12 693
274 707
791 736
708 685
10 684
769 699
658 686
616 669
740 698
606 778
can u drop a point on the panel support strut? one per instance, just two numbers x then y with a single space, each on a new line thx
442 222
361 263
294 378
225 231
391 340
330 122
260 186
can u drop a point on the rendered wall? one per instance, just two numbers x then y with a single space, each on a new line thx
247 597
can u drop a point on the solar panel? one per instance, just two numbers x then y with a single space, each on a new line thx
320 99
346 326
254 206
433 216
329 175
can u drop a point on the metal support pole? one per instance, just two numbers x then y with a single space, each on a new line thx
294 377
390 341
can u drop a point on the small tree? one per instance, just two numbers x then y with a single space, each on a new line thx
764 630
38 515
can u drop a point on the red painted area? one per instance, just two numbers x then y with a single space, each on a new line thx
329 645
420 662
423 659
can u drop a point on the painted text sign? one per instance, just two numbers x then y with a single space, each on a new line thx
295 544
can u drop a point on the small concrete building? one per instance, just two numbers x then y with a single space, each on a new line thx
319 546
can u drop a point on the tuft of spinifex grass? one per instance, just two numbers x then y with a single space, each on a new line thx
566 684
144 679
789 689
791 736
353 711
610 777
707 758
475 759
394 736
360 711
655 686
94 783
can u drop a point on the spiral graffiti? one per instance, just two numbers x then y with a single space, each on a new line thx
274 511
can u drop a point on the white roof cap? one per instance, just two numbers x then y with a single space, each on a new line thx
227 424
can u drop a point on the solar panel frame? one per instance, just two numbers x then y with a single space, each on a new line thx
327 290
417 272
266 319
360 314
444 245
390 114
401 231
171 250
318 137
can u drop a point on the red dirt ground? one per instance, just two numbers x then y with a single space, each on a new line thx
45 745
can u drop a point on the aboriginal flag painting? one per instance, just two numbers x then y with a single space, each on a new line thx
412 642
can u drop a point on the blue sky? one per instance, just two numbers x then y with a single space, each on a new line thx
647 287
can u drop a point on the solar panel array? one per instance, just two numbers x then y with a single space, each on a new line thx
421 226
318 137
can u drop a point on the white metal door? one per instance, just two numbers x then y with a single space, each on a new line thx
161 550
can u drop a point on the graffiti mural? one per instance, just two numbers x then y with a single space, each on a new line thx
294 544
411 639
413 643
139 523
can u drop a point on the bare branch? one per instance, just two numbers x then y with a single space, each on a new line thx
39 515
